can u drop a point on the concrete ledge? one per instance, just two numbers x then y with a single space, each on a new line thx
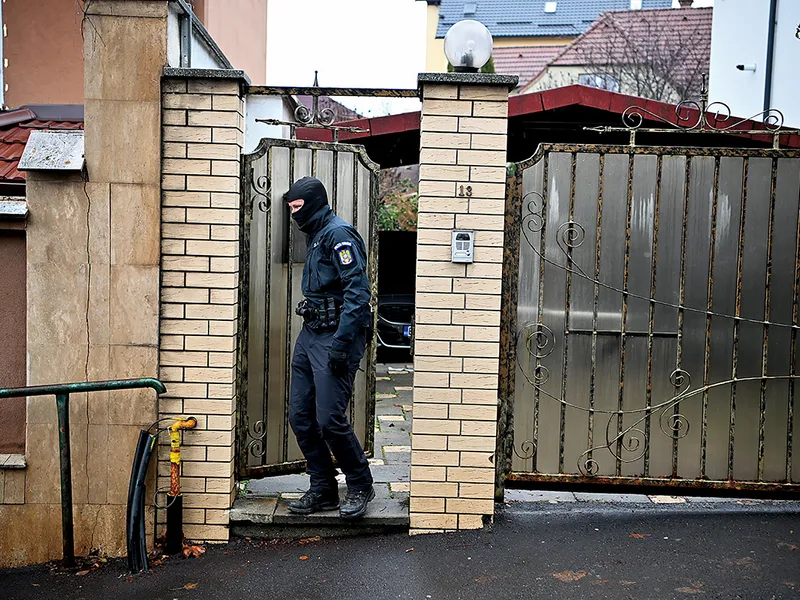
509 81
269 518
188 73
12 461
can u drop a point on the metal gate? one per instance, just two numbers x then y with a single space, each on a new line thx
273 253
650 319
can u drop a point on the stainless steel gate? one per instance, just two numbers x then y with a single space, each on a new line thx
273 253
651 318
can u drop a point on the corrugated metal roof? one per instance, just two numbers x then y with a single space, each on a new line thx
12 143
525 61
526 18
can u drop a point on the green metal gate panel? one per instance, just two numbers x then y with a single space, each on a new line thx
273 254
651 318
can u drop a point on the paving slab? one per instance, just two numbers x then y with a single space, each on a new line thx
273 486
388 410
393 437
389 473
385 386
397 458
667 499
613 498
254 510
538 496
381 511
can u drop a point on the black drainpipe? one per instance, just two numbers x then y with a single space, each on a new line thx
773 7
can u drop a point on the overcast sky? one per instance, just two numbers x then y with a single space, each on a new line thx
352 43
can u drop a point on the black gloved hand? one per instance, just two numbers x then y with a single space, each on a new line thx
337 363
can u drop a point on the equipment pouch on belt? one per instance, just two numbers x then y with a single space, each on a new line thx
321 315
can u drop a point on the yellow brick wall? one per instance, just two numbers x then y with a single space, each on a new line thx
463 146
202 133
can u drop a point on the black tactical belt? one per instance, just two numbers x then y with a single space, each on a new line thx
320 315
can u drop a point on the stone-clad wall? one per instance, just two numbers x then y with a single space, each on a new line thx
92 297
202 125
462 186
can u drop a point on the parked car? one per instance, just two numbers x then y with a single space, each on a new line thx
395 321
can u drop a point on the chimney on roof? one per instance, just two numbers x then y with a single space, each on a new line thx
686 3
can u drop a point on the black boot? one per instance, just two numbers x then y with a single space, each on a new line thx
312 502
355 503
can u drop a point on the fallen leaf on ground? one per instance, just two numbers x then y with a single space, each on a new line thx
304 557
790 547
305 541
35 584
82 573
693 589
567 576
485 578
188 586
194 551
641 536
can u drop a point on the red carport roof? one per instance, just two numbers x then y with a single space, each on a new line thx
539 102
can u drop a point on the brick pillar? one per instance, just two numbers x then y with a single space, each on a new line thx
203 136
457 338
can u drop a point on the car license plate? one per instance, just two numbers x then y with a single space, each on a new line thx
407 331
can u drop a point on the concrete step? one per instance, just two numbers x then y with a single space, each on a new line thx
269 518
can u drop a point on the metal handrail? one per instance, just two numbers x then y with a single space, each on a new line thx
62 391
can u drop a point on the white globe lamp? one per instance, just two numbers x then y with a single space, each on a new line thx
468 46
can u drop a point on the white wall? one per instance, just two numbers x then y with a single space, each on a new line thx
202 57
739 36
263 107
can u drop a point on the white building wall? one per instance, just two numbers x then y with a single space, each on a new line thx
264 107
739 36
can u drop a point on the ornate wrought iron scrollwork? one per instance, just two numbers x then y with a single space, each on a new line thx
527 450
626 436
256 447
701 117
262 188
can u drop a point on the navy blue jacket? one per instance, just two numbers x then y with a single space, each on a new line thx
336 265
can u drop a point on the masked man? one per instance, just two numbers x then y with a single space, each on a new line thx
336 315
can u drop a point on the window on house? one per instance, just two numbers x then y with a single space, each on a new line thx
550 7
470 8
603 81
636 4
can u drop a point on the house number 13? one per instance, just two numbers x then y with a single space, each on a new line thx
465 191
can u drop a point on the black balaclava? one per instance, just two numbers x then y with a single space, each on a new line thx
313 192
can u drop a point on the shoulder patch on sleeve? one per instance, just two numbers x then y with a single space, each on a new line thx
345 255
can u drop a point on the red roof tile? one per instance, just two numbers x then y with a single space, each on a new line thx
525 61
12 143
675 40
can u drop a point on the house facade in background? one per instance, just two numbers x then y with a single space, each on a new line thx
519 25
657 54
42 43
754 52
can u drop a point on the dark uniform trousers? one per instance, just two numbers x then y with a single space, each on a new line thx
318 412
